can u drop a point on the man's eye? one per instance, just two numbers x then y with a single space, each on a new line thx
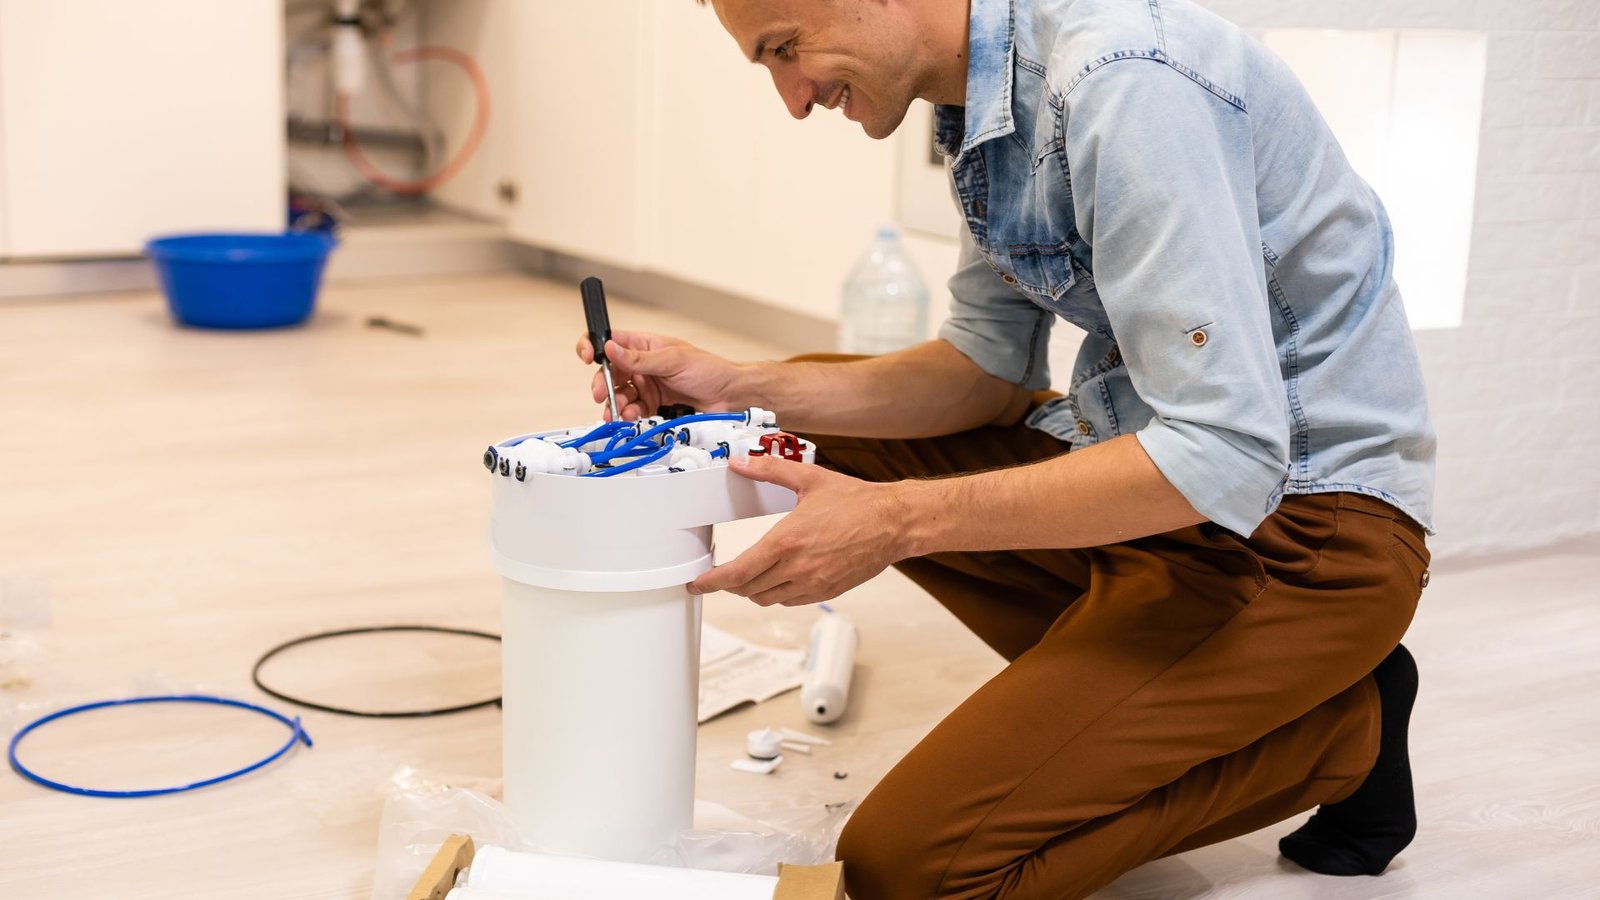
784 50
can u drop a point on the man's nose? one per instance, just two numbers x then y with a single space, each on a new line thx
798 93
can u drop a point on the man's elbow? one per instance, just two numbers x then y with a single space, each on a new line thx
1011 401
990 400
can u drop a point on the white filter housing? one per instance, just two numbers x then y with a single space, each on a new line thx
601 643
597 760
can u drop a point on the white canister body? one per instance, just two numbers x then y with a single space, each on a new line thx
599 717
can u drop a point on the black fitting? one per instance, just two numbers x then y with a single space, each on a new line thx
491 458
674 410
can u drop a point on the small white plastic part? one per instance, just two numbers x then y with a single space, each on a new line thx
795 747
757 766
761 418
764 743
825 692
800 737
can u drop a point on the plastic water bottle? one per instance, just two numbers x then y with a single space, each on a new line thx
885 302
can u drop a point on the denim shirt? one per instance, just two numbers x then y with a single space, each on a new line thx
1148 172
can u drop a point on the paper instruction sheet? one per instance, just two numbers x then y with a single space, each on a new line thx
734 671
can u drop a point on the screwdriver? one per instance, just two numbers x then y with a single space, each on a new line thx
594 312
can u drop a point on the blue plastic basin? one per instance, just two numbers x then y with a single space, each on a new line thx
240 281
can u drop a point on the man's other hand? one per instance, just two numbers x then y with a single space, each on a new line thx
842 532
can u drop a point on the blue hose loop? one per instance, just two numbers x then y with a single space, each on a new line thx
632 448
675 424
297 733
633 464
604 429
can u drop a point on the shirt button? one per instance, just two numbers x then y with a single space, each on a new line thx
1009 279
1083 427
1198 338
1425 579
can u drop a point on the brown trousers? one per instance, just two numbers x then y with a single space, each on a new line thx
1162 694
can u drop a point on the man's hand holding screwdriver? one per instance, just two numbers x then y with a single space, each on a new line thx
652 370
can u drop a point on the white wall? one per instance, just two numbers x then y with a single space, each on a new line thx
1515 390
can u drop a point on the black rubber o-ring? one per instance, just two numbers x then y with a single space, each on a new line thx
255 672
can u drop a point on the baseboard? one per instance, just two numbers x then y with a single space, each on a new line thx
443 247
52 278
432 244
787 328
419 251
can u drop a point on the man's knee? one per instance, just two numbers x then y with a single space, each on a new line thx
880 853
896 848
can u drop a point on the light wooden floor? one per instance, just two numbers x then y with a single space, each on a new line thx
174 502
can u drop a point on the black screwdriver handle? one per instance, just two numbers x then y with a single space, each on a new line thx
594 312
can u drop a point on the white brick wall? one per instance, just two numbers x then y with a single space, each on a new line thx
1515 390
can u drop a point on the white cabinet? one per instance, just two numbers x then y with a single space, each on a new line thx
120 120
482 30
645 138
576 116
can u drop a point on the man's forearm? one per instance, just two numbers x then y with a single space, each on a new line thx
1103 494
922 391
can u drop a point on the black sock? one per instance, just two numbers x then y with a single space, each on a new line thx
1360 834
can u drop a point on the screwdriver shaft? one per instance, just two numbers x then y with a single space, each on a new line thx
611 391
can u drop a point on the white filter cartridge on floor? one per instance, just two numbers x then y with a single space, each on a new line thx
498 873
825 692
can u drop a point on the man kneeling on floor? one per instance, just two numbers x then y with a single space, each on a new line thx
1200 560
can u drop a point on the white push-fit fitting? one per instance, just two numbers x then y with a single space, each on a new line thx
600 637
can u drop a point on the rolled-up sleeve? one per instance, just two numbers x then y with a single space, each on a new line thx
993 325
1163 182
